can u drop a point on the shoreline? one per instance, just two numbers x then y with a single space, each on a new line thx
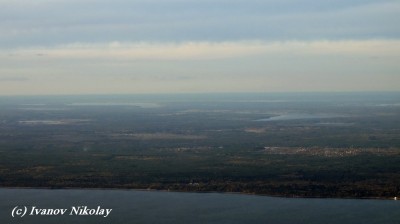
202 192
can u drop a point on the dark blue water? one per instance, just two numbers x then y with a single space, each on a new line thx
172 207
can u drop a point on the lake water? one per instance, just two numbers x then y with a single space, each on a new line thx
286 117
130 206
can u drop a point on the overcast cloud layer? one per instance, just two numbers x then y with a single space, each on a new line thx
140 46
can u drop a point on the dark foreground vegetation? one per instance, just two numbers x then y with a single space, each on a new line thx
322 146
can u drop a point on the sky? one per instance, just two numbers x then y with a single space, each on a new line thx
63 47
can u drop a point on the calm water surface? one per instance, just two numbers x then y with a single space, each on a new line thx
287 117
172 207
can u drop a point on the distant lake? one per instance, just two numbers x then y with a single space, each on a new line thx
131 206
111 104
285 117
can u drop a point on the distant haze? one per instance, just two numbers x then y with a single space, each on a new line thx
176 46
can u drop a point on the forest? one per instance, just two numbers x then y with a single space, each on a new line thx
294 145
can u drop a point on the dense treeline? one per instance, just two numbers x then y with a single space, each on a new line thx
366 174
